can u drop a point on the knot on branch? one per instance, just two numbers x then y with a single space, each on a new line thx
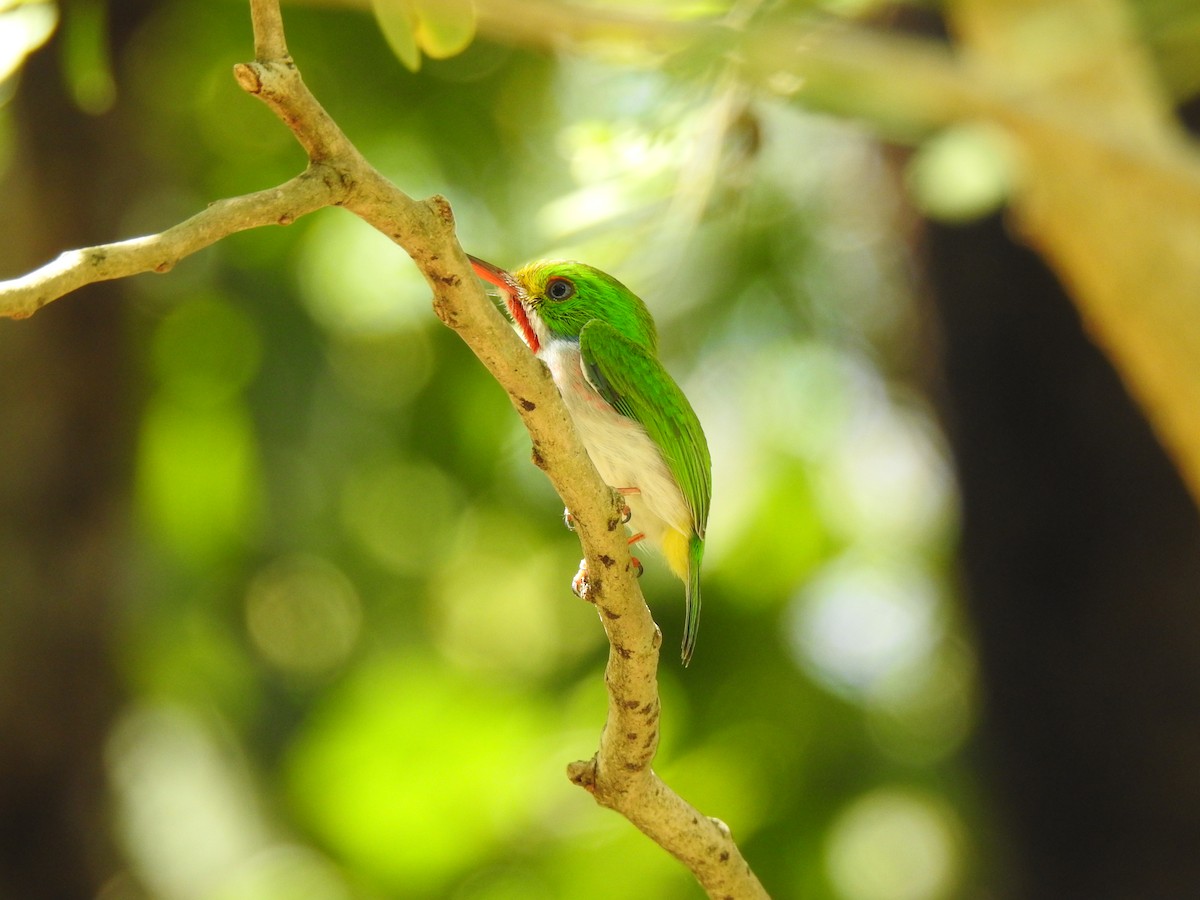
248 77
440 207
723 828
583 773
266 78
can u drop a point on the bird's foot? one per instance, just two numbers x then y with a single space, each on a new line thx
580 584
637 563
626 512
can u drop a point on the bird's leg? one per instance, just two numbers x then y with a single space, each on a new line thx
637 563
580 585
626 512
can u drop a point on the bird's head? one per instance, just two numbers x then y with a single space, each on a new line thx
554 299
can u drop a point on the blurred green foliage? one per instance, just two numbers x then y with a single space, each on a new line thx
355 665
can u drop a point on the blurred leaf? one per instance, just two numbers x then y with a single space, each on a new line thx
440 28
23 28
398 21
1172 32
87 56
444 27
1144 226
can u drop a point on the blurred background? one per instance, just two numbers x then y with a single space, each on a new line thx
285 610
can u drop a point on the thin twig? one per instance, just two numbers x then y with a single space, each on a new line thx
23 296
266 19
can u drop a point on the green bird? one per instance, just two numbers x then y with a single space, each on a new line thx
601 347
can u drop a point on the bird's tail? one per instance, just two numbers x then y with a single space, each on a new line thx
691 610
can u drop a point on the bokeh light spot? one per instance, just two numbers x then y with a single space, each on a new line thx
411 773
893 845
923 715
962 173
354 280
503 604
284 872
888 483
197 476
400 512
206 350
303 615
23 28
859 621
185 804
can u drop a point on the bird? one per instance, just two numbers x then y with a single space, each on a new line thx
600 344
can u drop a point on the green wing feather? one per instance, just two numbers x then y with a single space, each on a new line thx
691 609
635 383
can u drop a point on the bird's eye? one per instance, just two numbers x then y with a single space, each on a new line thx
559 289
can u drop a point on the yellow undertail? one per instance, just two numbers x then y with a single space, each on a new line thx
675 551
683 555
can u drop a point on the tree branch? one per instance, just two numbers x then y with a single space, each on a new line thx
312 189
619 775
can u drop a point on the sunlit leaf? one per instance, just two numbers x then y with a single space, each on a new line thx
398 21
23 28
440 28
444 27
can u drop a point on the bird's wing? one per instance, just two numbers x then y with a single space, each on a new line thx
635 383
